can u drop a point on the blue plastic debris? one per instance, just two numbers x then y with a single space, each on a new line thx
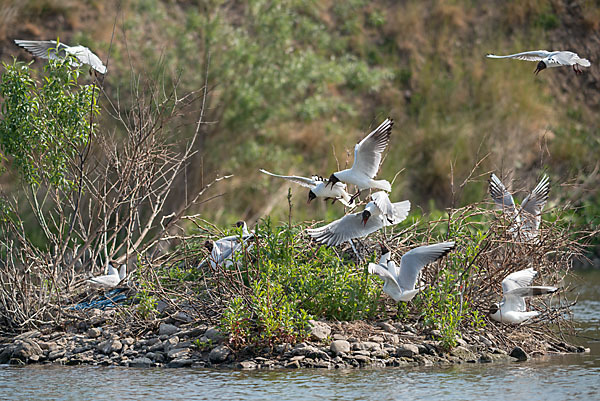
108 300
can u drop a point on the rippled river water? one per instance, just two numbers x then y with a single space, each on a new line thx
554 377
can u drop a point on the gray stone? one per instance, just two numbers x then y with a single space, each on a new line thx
56 354
292 365
485 358
128 341
195 332
142 362
519 353
376 339
407 350
179 363
387 327
319 330
462 353
219 354
177 353
213 334
94 332
340 347
158 346
109 346
171 343
247 365
167 329
338 336
362 359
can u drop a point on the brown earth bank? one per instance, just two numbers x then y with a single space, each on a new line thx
331 345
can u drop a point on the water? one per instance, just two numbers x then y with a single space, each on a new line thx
556 377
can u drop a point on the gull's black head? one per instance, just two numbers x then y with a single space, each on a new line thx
209 245
384 249
541 65
239 224
311 196
365 216
333 180
493 309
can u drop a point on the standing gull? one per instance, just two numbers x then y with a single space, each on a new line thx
515 288
53 50
367 157
550 59
399 282
528 218
318 188
361 224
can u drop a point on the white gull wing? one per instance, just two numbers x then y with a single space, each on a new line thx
569 58
43 48
401 210
122 271
348 227
536 201
107 280
368 152
390 285
414 260
86 56
514 300
385 206
111 270
304 181
521 278
500 195
534 55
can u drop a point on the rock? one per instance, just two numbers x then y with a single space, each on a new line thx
171 343
282 348
372 346
56 354
179 363
362 359
94 332
109 346
292 365
214 335
407 350
195 332
157 346
376 339
462 353
247 365
485 341
338 336
219 354
128 341
340 347
485 358
27 350
319 330
178 353
387 327
519 353
167 329
142 362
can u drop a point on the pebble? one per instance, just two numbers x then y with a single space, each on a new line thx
340 347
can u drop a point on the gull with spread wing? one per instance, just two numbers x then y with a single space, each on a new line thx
223 250
318 188
400 281
367 157
53 50
529 216
361 224
515 288
550 59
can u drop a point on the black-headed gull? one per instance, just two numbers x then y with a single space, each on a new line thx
223 250
367 157
53 50
399 282
528 218
550 59
110 280
515 288
360 224
317 188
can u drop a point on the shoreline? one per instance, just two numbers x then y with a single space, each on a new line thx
332 345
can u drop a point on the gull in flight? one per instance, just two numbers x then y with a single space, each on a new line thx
318 188
367 157
223 250
361 224
528 218
53 50
550 59
112 279
515 288
399 282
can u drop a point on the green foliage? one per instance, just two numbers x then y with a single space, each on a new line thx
146 300
45 123
443 305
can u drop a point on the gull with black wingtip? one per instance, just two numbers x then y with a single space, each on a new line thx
548 59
